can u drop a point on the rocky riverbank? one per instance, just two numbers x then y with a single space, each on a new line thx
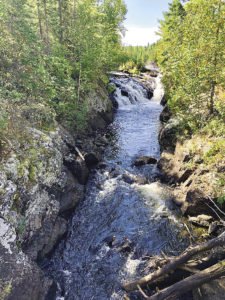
196 177
42 179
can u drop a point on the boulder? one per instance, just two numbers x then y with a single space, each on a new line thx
168 135
20 277
71 195
150 93
145 160
78 168
124 93
196 203
91 159
102 165
163 101
165 114
130 179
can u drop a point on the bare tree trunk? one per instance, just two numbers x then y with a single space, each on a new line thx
190 283
175 263
46 25
79 84
39 19
212 95
60 21
215 60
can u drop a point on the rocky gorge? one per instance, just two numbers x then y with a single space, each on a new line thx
115 184
42 179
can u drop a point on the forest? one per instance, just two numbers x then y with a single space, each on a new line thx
191 56
53 53
112 156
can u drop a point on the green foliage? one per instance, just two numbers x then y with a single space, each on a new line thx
5 289
39 115
53 53
135 57
191 56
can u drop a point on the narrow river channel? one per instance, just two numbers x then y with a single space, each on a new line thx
127 215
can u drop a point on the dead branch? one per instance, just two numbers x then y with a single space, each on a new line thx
176 262
79 153
191 282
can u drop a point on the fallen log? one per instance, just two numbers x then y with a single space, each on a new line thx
183 271
191 282
175 263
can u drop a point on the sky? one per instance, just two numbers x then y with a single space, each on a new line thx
142 21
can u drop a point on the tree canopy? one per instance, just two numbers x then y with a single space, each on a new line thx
55 52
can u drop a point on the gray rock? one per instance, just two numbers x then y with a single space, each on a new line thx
78 168
165 114
145 160
91 159
168 135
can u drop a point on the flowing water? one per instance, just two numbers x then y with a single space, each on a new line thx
126 216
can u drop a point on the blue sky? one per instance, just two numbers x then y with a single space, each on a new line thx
142 20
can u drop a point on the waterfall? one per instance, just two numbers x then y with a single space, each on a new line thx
159 90
130 92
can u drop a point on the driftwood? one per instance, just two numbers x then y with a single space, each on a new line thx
191 282
79 153
175 263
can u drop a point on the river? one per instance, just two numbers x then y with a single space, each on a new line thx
127 215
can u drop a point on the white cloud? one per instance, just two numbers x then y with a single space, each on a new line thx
137 36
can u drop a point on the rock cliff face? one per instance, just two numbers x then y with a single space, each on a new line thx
42 179
185 165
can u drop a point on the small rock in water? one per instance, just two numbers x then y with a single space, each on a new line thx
128 178
109 240
124 93
126 246
145 160
102 165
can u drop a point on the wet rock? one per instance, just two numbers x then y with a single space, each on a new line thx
115 172
101 141
102 165
195 203
72 194
163 101
20 277
128 178
78 168
165 114
91 160
126 246
150 93
114 101
110 240
124 93
168 135
145 160
97 123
